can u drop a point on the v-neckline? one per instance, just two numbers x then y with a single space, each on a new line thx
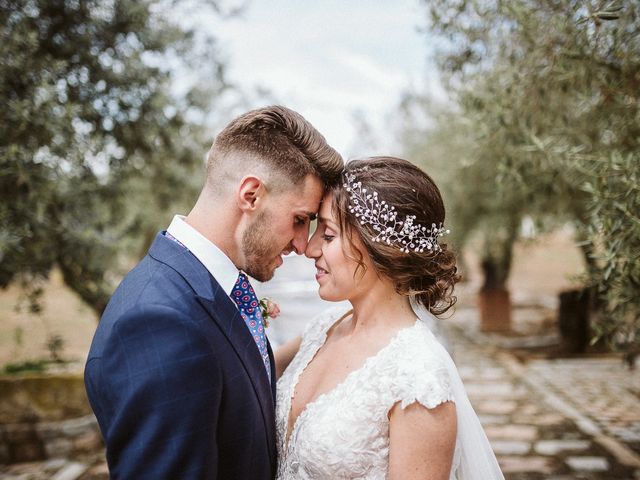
370 359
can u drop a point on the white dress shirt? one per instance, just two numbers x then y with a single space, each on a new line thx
214 259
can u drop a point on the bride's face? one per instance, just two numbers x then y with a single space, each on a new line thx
334 258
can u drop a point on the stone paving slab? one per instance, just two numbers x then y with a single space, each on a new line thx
71 471
88 467
603 389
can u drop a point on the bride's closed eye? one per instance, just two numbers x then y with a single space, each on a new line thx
328 234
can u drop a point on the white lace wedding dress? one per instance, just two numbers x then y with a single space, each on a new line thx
344 433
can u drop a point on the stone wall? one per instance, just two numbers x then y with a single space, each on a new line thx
45 416
25 442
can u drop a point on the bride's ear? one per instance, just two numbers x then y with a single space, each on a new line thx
250 193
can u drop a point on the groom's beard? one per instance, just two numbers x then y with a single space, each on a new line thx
259 252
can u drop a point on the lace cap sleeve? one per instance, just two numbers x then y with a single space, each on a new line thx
422 375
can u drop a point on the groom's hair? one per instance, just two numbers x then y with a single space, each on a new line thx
276 142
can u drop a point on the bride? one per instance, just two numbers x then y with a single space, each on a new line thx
370 393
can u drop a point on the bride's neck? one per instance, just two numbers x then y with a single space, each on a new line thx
381 306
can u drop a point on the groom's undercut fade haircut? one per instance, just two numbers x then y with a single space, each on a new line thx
280 140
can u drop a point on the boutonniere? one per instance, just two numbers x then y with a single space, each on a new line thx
270 309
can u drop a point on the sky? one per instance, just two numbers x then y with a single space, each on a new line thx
331 61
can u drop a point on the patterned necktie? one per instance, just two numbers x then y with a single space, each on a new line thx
247 302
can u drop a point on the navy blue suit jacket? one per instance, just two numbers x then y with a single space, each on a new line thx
175 378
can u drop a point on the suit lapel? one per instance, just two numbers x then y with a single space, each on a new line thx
224 312
273 371
226 315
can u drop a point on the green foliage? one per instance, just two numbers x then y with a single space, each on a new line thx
33 366
546 124
28 366
95 148
613 186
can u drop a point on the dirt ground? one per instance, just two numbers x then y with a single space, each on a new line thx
541 269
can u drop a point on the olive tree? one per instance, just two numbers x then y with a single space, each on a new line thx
545 94
95 142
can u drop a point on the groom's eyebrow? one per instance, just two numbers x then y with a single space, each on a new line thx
312 216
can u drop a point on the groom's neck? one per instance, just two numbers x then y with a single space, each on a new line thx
217 222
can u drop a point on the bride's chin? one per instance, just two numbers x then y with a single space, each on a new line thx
330 296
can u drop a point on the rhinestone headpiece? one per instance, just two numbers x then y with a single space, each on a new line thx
383 218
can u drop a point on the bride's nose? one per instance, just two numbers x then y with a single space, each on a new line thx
313 249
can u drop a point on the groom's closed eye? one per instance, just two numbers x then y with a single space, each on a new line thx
302 219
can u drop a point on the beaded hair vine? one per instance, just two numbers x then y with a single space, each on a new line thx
383 218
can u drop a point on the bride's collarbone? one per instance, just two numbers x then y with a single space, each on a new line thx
329 368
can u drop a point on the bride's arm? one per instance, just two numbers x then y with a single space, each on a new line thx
421 441
285 354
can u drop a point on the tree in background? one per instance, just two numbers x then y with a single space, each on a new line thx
96 146
546 94
446 142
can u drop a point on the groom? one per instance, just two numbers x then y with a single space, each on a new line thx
180 374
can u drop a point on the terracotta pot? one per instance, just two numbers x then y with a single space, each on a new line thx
495 310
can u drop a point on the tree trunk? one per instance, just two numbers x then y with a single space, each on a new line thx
494 300
573 319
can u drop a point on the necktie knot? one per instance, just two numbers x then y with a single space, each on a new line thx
244 295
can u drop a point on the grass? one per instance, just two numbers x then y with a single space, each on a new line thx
33 366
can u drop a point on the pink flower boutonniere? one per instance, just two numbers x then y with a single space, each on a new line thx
270 309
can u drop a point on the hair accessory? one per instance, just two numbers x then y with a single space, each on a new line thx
383 218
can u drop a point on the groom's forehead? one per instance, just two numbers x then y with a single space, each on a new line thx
305 201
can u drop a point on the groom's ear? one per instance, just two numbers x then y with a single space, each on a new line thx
250 193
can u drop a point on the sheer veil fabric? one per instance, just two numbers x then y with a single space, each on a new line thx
476 458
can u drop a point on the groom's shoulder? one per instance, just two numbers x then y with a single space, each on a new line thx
151 277
149 283
149 289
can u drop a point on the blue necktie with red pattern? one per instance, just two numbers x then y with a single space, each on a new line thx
247 302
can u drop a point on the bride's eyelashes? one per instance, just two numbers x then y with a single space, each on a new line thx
328 234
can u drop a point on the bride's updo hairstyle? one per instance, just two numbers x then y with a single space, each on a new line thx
428 274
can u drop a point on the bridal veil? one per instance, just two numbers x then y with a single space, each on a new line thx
476 458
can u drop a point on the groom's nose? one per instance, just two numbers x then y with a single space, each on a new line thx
299 242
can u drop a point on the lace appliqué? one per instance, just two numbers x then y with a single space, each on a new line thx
344 433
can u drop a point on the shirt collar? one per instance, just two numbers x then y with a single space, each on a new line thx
214 259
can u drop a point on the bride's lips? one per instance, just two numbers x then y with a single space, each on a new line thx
320 272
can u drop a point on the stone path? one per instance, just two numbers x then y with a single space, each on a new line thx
602 390
86 468
568 419
551 419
